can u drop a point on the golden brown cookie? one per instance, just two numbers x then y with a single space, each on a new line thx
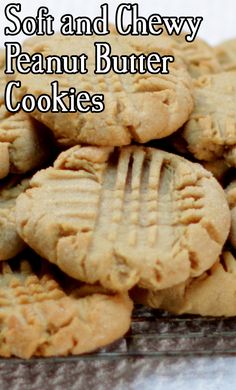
210 131
231 197
226 53
138 106
24 143
10 242
125 216
211 294
39 318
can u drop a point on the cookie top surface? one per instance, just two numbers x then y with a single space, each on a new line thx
231 197
125 216
210 131
226 53
132 101
39 318
211 294
10 242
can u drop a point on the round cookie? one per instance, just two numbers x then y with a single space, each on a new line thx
24 143
210 132
226 53
211 294
10 242
39 317
138 106
125 216
231 197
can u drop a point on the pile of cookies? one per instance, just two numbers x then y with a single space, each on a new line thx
137 203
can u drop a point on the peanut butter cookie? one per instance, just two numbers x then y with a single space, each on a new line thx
138 106
39 318
210 132
125 216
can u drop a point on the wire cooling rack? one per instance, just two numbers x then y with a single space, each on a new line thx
154 333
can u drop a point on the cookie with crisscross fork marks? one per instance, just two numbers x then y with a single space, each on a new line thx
39 318
210 131
125 216
10 242
138 106
24 143
211 294
231 197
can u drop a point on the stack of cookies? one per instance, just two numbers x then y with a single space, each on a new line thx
136 203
